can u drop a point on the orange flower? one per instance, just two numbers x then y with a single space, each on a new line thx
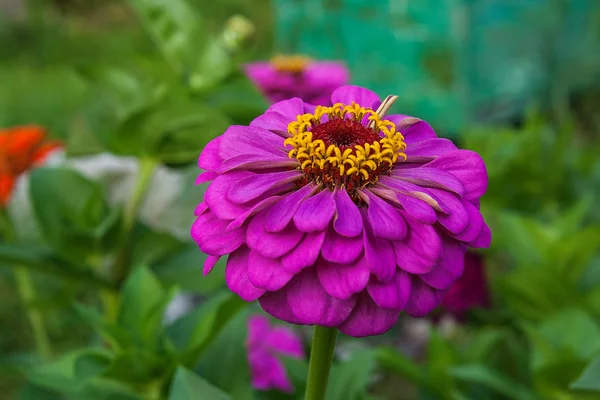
21 148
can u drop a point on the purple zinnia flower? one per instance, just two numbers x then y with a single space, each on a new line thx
337 216
470 290
264 345
285 77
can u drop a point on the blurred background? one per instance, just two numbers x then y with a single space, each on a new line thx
101 288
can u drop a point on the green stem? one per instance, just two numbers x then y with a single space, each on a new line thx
321 357
146 170
144 178
27 293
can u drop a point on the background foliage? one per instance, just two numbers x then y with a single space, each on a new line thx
135 90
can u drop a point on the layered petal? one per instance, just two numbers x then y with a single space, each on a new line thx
343 281
236 276
367 319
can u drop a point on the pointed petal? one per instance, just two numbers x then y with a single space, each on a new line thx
431 177
209 264
457 218
380 256
305 254
250 188
347 221
484 240
423 299
430 148
340 249
236 276
413 129
449 268
216 195
475 224
282 213
315 213
418 253
367 319
271 245
209 158
258 207
267 273
393 294
467 166
385 221
348 94
205 177
342 281
210 234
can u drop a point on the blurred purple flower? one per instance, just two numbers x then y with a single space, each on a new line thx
264 345
470 290
331 216
285 77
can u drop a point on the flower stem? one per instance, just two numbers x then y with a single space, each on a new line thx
321 357
27 293
144 177
146 170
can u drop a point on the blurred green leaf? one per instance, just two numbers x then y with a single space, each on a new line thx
149 246
228 353
396 362
590 378
194 332
136 366
118 337
184 269
41 259
238 98
297 371
349 380
188 386
483 375
440 357
91 364
143 301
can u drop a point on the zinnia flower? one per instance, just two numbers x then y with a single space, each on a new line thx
285 77
340 216
264 345
469 291
21 148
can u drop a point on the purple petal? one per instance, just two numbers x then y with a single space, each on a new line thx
258 329
484 240
256 162
423 299
457 218
380 256
276 304
419 252
200 209
432 178
348 94
236 276
340 249
267 273
367 319
258 207
475 224
284 341
430 148
413 129
260 73
417 208
250 140
467 166
393 294
209 158
205 177
250 188
385 221
288 108
449 268
271 245
342 281
347 221
305 254
315 213
311 305
327 75
216 195
274 122
282 213
209 264
210 234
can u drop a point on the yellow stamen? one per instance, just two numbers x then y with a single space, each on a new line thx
290 64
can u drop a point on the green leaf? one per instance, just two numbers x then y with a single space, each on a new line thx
440 357
189 386
192 333
149 247
350 379
176 29
41 259
590 378
184 269
118 337
393 361
104 389
137 367
91 364
238 98
69 223
481 374
297 371
143 302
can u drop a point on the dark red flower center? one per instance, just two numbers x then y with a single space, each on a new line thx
344 133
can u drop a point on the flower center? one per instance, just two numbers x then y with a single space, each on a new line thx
290 64
344 145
